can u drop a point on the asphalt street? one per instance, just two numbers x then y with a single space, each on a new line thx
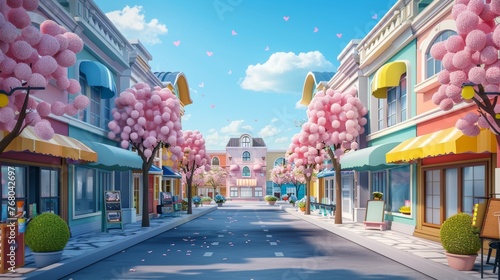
247 243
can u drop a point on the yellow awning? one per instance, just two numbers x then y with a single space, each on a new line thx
59 146
447 141
246 182
387 76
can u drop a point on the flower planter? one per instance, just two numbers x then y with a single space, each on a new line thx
206 202
48 258
196 205
219 204
271 202
461 262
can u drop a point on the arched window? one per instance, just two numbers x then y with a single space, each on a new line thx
434 66
215 161
280 161
246 156
245 141
245 172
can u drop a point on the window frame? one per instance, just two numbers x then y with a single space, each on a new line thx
244 174
245 142
245 156
99 108
383 105
436 64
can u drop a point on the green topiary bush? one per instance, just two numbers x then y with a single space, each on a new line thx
270 198
458 236
47 232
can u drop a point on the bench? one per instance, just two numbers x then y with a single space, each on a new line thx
324 210
376 225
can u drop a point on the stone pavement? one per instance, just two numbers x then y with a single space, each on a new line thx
420 254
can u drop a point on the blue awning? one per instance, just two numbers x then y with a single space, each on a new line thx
326 173
155 170
114 158
169 173
99 76
368 159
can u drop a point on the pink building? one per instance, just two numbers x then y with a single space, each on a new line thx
246 163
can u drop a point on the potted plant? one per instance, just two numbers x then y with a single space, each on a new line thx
302 205
46 235
206 200
377 195
184 204
292 199
197 201
219 199
460 240
270 199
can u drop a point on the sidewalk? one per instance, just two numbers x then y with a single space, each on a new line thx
420 254
86 249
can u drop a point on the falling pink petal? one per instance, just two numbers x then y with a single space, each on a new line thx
177 43
209 53
196 233
202 84
339 35
286 18
178 250
165 254
374 16
224 259
132 270
212 106
234 33
149 252
188 254
168 250
267 48
172 244
230 72
189 251
315 29
142 260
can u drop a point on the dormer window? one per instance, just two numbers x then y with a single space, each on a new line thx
245 142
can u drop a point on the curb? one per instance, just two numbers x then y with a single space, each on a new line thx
68 266
424 266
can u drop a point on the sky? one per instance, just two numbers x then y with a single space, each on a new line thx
245 60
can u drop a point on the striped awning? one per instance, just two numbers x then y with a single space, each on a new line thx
246 182
59 146
443 142
386 77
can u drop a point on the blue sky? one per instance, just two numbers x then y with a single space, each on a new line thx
245 60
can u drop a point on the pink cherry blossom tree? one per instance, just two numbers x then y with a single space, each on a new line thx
471 58
195 156
216 176
29 60
147 119
279 175
296 177
198 179
335 120
307 155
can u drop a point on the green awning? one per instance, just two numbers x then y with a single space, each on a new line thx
368 159
114 158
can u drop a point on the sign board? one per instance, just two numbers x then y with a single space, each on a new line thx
166 201
375 210
113 209
490 221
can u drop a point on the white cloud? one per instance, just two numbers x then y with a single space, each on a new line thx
274 120
232 128
186 117
269 131
131 23
284 72
215 141
298 105
247 127
281 140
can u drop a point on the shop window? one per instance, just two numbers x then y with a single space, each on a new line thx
434 66
394 184
245 172
98 113
458 187
234 192
89 188
14 182
215 161
279 161
393 109
246 156
258 191
49 191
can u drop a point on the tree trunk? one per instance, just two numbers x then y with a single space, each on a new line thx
308 199
145 194
338 186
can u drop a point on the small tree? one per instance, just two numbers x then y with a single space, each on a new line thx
195 156
147 119
279 175
198 179
215 176
297 177
471 58
307 156
29 60
335 120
